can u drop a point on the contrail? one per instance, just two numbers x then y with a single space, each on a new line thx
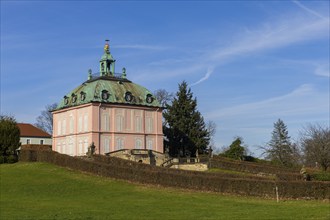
207 75
308 9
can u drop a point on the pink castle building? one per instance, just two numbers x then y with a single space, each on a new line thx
110 111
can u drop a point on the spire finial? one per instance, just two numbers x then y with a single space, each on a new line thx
106 46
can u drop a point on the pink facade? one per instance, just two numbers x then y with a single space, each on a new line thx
111 127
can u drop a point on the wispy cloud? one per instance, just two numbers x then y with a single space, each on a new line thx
140 47
167 62
274 36
207 75
323 69
301 101
308 9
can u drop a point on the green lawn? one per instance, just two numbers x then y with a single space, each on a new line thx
45 191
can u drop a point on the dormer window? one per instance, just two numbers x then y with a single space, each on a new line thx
149 99
82 96
105 95
66 100
74 98
128 96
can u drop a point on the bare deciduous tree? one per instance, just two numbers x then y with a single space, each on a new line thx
164 97
45 120
315 143
211 128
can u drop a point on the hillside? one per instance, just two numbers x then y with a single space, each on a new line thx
45 191
283 186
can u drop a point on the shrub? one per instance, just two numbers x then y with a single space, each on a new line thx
3 159
12 159
321 176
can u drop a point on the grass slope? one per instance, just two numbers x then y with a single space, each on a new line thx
44 191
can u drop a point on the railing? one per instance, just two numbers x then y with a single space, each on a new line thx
97 75
169 162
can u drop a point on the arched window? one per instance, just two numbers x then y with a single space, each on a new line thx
128 97
105 95
80 148
63 148
66 100
82 96
106 145
70 146
149 144
119 122
105 122
71 124
119 144
59 127
138 143
80 123
58 147
149 99
86 122
73 98
85 149
64 127
149 125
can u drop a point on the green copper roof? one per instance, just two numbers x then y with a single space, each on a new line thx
109 89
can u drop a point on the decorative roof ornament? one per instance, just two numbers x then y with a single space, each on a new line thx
106 46
89 74
107 63
123 75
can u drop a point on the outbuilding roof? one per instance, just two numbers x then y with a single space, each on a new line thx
28 130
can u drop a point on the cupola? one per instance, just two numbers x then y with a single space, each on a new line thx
107 63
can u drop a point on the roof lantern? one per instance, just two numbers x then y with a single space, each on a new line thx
107 63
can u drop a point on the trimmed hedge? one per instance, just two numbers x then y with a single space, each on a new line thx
281 173
143 173
244 166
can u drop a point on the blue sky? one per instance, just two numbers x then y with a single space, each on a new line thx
247 62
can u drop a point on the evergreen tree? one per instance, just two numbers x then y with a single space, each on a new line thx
184 127
9 138
280 149
236 150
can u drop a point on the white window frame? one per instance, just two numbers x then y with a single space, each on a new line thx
119 123
138 123
119 143
150 144
105 122
80 120
85 149
80 148
71 123
64 126
85 122
138 143
106 145
149 124
59 127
